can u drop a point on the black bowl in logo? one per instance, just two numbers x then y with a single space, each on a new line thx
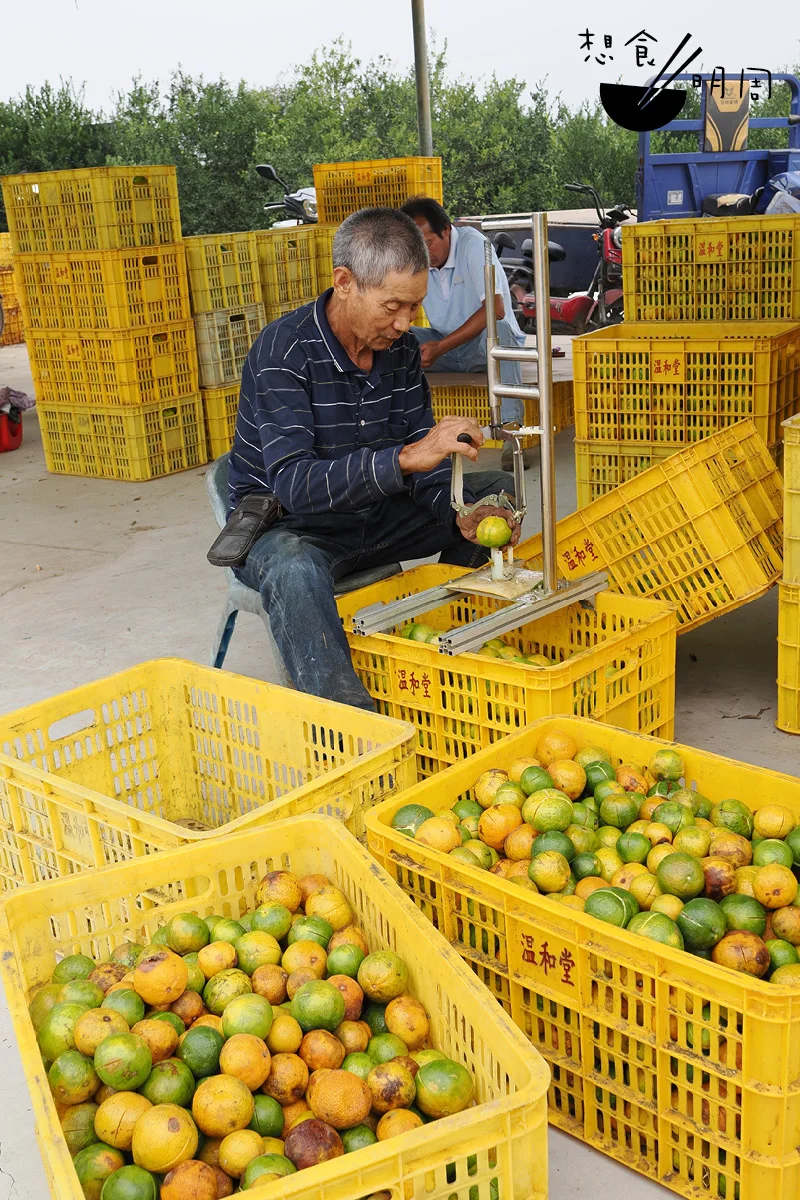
621 103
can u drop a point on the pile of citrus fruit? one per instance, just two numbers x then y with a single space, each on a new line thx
496 648
631 846
229 1053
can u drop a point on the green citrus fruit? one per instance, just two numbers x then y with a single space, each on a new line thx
548 809
553 840
619 809
94 1165
675 816
318 1005
608 835
81 991
74 966
409 818
357 1138
257 949
606 905
126 1002
787 976
272 918
345 960
771 850
681 875
170 1082
57 1031
77 1126
385 1046
383 975
666 764
224 987
227 930
265 1164
733 815
606 788
793 842
585 816
443 1088
590 755
72 1078
374 1014
549 871
702 923
123 1061
171 1018
359 1064
657 927
200 1050
633 847
187 933
46 998
131 1183
535 779
744 912
249 1013
268 1117
493 532
585 866
781 954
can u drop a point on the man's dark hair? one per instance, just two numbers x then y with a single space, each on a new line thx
429 210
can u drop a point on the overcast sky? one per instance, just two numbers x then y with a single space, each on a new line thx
103 43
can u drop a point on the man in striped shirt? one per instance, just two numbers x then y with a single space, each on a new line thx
335 419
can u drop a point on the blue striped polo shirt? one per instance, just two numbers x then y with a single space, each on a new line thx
324 435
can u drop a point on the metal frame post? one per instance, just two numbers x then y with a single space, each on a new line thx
422 79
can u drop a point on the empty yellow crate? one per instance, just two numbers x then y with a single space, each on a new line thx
674 384
472 400
223 271
788 657
702 530
791 500
345 187
123 443
324 235
224 340
171 752
128 367
721 269
615 661
287 264
92 208
496 1148
681 1069
602 466
220 406
104 289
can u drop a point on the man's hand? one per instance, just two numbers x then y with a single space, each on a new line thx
429 352
442 441
468 525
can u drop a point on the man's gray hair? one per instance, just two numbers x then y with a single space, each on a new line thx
375 241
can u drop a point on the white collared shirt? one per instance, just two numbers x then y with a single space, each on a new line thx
456 290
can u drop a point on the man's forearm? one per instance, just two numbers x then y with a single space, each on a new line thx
472 328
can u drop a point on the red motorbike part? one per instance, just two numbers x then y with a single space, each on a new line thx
567 310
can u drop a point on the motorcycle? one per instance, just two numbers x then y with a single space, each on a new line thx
519 273
601 303
302 204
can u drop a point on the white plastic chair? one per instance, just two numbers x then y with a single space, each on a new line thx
242 598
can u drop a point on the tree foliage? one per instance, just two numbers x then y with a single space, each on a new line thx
505 147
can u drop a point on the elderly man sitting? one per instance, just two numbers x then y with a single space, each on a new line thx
335 419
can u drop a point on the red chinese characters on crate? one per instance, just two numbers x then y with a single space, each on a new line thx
575 557
407 681
710 249
540 955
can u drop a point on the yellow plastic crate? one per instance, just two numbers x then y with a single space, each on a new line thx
788 657
472 400
602 466
791 500
223 271
170 752
324 235
287 265
224 340
92 208
498 1147
674 384
711 1111
13 329
110 289
105 442
725 269
345 187
128 368
6 253
220 406
702 530
615 661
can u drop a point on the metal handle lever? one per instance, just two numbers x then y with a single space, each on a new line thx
457 486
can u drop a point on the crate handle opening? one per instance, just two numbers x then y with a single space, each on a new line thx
238 317
149 260
68 726
159 337
140 179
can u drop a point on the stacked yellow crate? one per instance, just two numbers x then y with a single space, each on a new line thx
711 337
789 587
11 320
226 296
105 306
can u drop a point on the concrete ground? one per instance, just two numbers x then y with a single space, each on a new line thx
96 576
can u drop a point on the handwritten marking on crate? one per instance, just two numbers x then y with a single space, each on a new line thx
552 963
407 682
75 831
575 557
709 248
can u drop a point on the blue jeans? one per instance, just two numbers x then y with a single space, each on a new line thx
296 564
472 357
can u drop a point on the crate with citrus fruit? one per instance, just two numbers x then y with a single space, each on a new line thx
634 906
213 1053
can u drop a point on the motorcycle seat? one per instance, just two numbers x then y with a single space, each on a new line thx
728 204
555 252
